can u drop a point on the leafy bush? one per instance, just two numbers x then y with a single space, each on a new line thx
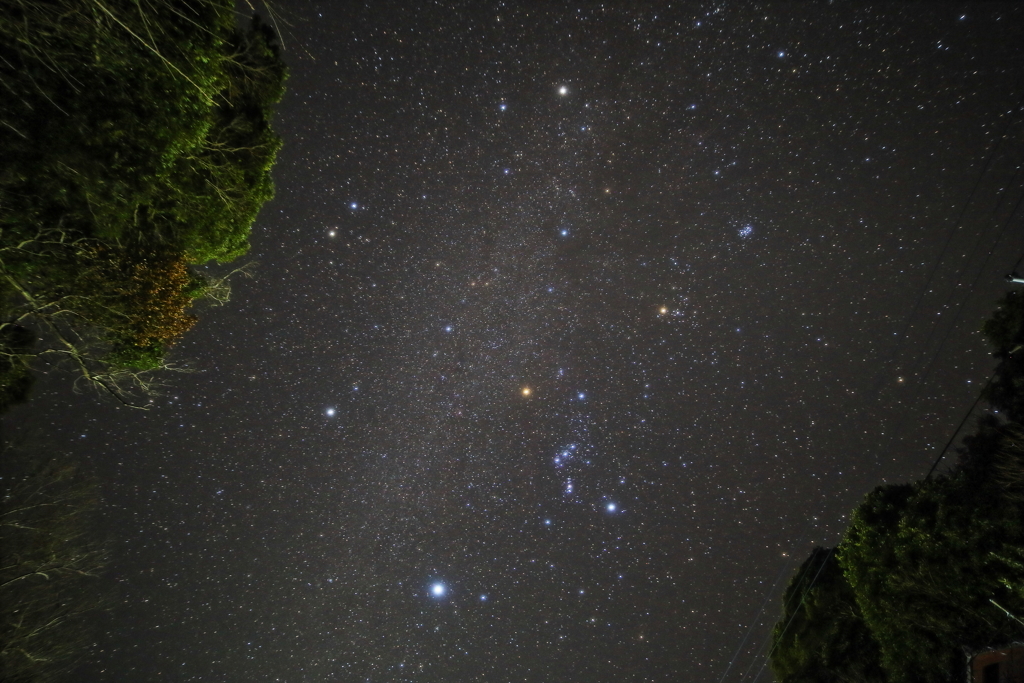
137 141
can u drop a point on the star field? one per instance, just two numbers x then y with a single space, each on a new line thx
572 327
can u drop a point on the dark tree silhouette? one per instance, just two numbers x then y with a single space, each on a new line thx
1005 331
928 570
822 637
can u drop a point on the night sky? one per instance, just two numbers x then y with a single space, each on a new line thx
573 329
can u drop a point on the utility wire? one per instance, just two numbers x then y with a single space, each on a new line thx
974 405
803 597
831 552
931 362
750 628
926 372
900 337
767 597
956 431
949 330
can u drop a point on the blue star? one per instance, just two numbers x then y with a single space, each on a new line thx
438 590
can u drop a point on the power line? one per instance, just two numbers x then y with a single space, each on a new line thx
831 552
956 431
803 597
899 338
963 302
931 362
970 411
764 604
750 628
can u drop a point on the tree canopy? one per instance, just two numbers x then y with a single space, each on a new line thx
136 144
929 570
822 636
1005 331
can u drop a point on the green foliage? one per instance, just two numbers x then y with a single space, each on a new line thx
136 140
104 309
106 95
138 123
822 636
139 299
925 561
140 358
922 564
212 192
